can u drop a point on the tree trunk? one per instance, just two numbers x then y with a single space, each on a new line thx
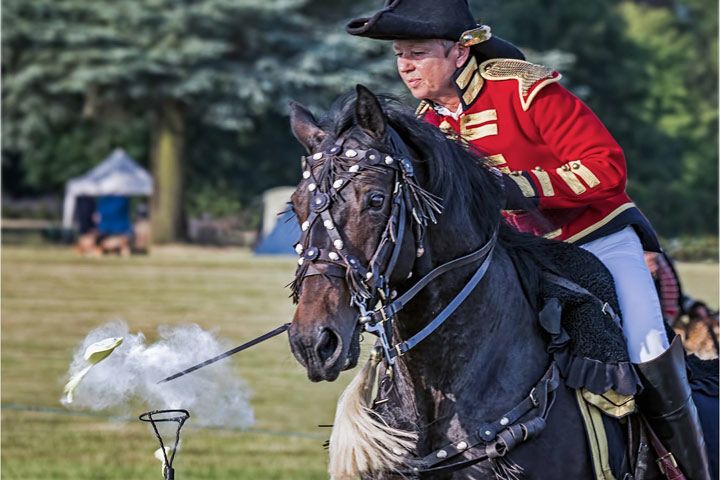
168 143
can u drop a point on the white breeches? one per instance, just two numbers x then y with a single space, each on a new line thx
643 324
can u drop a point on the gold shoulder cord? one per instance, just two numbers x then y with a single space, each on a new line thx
527 74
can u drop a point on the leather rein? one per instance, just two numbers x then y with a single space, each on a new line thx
369 284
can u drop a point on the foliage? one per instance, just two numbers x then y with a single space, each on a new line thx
230 66
702 248
681 49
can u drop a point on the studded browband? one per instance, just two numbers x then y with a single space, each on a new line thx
328 173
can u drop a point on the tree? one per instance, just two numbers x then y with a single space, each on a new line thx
221 63
680 51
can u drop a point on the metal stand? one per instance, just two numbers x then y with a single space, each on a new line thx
157 416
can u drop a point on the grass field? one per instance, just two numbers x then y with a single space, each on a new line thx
51 299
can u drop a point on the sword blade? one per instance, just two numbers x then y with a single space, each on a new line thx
235 350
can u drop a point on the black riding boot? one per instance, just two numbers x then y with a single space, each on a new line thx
667 404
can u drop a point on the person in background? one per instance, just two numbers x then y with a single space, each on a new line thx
681 311
141 230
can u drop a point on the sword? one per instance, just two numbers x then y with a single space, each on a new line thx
235 350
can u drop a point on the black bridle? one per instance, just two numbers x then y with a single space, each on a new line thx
370 284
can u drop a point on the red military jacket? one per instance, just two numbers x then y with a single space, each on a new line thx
550 143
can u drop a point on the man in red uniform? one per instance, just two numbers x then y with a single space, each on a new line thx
558 156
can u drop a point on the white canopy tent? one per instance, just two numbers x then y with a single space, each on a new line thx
118 174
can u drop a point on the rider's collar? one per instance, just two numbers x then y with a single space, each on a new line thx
468 82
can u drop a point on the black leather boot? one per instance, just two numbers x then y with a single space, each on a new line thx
667 404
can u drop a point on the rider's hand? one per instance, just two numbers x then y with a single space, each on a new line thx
514 198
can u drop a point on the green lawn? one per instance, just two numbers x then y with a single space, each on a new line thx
51 299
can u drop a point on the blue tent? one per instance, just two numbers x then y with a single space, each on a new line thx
280 230
282 237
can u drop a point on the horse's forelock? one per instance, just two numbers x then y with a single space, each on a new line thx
461 177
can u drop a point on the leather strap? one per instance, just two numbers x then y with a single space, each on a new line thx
397 305
403 347
665 461
496 439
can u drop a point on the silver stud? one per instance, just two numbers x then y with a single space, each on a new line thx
389 160
299 248
354 168
301 260
441 454
312 187
393 294
328 224
317 156
351 153
306 174
372 157
488 432
420 252
409 275
504 421
333 256
369 275
338 244
305 225
461 446
337 184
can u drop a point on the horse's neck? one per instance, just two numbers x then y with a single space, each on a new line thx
482 361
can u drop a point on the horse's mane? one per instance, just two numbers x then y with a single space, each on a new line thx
471 192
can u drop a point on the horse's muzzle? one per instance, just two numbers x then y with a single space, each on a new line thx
323 351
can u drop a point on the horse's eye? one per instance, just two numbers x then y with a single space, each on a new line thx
376 200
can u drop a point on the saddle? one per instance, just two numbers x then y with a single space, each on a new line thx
580 317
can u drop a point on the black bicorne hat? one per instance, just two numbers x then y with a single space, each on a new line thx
427 19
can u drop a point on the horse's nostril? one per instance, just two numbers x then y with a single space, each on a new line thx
327 345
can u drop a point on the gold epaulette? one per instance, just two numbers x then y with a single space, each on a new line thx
531 77
422 108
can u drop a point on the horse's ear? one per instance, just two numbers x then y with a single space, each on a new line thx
305 127
368 113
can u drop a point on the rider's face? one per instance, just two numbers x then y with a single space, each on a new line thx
427 67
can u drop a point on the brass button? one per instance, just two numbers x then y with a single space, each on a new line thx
566 168
576 165
538 169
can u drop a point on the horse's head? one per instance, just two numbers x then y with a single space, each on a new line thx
353 233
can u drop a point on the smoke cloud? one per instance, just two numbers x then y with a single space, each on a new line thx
214 395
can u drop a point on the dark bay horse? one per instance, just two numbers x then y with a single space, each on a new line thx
485 359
